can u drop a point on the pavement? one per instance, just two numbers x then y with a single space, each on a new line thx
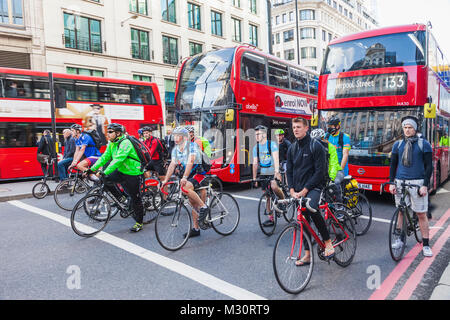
23 189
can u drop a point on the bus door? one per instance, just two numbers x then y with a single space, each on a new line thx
247 141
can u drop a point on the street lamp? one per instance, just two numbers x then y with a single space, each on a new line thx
135 16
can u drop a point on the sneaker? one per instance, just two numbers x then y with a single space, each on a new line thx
203 214
397 244
192 233
137 227
427 251
268 223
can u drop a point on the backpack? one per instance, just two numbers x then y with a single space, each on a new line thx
419 143
327 155
95 137
141 149
161 149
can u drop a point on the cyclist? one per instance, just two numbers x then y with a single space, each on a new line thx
413 163
284 145
187 156
340 140
85 149
266 156
202 143
305 172
156 152
124 168
335 172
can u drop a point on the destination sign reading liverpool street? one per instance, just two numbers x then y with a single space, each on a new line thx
368 86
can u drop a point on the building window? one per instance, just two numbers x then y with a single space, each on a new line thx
289 54
237 3
253 6
195 48
82 33
277 38
308 53
216 23
324 35
291 16
138 77
170 50
284 18
11 12
288 35
236 30
140 46
139 6
85 72
253 35
277 19
307 14
168 11
169 89
194 16
307 33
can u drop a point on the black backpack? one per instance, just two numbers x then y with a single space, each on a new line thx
161 149
141 149
95 137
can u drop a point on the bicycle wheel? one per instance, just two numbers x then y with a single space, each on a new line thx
397 235
40 190
362 215
215 183
290 247
172 225
69 192
150 212
90 215
290 212
343 237
225 214
417 232
267 219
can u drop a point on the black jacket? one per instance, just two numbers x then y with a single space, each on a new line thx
283 149
46 146
306 169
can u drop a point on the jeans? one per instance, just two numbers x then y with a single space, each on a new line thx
62 168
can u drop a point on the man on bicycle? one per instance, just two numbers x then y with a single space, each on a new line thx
340 140
86 153
202 142
412 162
283 146
186 154
266 157
306 166
156 152
124 168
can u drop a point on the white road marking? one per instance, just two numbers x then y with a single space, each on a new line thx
189 272
442 190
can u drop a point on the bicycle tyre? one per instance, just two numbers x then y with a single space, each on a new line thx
114 208
90 215
362 215
170 233
344 252
416 226
40 190
229 220
395 234
264 216
215 183
67 189
288 249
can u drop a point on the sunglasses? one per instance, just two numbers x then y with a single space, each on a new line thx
110 131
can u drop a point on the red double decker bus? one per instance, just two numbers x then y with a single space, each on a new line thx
226 93
92 102
371 80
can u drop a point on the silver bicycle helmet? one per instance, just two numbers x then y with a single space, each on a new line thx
318 134
181 131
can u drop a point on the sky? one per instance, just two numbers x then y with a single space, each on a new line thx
399 12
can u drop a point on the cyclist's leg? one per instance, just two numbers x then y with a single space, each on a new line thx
314 195
131 184
276 189
419 204
195 201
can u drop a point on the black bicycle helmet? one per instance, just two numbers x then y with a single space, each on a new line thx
116 127
334 121
146 128
76 127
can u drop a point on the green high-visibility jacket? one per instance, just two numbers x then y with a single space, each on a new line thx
123 158
333 163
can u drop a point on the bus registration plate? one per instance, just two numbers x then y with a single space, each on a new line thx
365 186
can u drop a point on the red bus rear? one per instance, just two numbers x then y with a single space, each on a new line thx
373 79
226 93
92 102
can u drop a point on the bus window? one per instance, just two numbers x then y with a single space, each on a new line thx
299 80
278 75
41 88
17 87
86 91
142 94
109 92
67 85
313 84
253 68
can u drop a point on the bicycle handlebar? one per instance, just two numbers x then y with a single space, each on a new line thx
302 201
402 184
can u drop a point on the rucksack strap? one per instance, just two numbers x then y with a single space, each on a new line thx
269 147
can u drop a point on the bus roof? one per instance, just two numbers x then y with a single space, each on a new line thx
379 32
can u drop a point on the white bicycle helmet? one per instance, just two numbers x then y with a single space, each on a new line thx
181 131
318 134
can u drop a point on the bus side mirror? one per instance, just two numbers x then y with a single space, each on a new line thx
314 120
429 110
229 115
60 98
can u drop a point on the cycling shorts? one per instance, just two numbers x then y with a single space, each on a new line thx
91 160
196 180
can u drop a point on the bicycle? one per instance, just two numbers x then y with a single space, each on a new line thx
268 213
41 189
174 221
68 192
92 213
296 238
401 228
